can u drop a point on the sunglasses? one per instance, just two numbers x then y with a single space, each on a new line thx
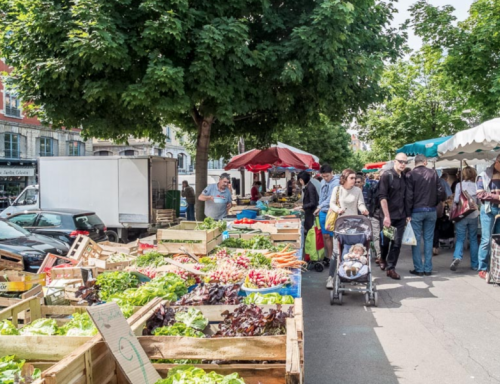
402 161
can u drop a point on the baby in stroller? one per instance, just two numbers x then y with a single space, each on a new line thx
354 260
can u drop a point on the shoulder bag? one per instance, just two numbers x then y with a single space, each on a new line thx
332 216
466 205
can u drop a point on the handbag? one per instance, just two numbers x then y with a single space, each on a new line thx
332 216
466 205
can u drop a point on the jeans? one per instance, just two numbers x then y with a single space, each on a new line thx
462 227
389 250
190 212
487 221
423 224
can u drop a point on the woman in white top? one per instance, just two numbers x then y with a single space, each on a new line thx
350 198
467 224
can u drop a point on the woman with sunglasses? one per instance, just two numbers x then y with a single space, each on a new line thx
350 198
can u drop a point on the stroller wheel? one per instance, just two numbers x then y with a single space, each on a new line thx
375 299
326 262
318 267
488 278
367 299
332 298
340 298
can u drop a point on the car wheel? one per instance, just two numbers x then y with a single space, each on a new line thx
112 236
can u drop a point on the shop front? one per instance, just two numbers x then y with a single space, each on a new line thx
15 175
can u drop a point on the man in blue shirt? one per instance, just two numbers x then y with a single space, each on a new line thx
327 184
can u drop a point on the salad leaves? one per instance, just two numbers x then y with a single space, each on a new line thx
192 318
150 259
114 282
178 329
11 370
47 327
7 328
80 325
192 375
268 298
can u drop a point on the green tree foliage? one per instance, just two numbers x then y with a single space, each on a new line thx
117 68
422 103
472 61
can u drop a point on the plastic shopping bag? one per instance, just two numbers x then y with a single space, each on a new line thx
314 247
409 236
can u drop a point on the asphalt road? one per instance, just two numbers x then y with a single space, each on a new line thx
439 329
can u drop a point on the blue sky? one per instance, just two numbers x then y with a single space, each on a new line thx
461 12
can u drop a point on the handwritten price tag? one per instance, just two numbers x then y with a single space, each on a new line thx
129 354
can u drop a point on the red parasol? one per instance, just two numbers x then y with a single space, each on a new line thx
274 156
375 165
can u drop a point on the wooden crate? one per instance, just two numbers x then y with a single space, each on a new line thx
208 240
36 291
15 263
104 265
35 355
110 248
83 249
93 362
18 281
165 216
69 273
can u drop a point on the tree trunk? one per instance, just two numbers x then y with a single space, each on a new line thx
202 146
263 181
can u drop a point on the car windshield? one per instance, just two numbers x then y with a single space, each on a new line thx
10 231
184 203
87 221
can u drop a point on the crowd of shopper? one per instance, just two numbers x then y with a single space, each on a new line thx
399 196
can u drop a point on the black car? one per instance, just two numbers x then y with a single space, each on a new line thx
32 247
62 224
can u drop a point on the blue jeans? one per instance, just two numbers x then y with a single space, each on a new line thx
190 212
423 224
461 228
487 221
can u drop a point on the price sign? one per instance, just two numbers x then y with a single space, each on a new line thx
125 347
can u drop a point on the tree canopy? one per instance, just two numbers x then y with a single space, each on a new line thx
472 47
117 68
422 103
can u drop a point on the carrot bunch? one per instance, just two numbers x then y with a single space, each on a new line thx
285 259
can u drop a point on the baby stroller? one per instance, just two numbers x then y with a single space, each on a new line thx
493 275
351 230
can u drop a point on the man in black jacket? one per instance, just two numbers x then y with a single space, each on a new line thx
423 193
392 193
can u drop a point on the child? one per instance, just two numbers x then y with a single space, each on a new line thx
354 260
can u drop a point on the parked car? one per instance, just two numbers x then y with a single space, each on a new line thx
62 224
184 206
32 247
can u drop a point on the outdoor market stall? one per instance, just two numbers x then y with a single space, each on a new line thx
256 263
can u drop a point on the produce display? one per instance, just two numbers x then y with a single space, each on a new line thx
150 259
226 273
192 375
210 223
257 242
212 294
264 278
278 211
268 298
118 257
285 259
79 325
250 320
114 282
13 371
166 321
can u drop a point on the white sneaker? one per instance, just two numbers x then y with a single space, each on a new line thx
329 282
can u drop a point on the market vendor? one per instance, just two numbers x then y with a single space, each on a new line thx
217 198
255 192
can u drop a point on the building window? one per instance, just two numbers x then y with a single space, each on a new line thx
158 151
76 148
102 153
47 146
12 145
180 160
12 105
128 152
169 154
169 135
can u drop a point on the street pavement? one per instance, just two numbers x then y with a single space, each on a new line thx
440 329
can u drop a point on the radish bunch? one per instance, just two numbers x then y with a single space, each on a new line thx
264 278
186 276
222 254
226 273
184 259
241 261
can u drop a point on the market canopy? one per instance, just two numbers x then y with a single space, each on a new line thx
476 143
428 148
272 157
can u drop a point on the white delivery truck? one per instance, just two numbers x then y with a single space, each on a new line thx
123 191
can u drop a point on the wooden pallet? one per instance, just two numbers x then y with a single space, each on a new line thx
93 362
11 261
165 216
83 249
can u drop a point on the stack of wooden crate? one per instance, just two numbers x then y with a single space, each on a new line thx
185 235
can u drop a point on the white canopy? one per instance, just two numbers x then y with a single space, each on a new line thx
478 143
